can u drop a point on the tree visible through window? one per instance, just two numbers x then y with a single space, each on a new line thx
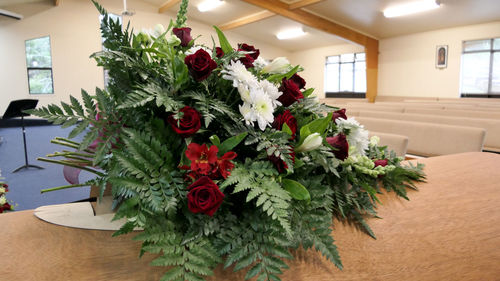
345 75
39 64
481 68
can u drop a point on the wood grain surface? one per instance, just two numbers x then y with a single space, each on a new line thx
449 230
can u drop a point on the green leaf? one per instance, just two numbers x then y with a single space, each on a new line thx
181 72
79 129
286 129
296 190
215 140
231 143
224 43
316 126
254 271
308 92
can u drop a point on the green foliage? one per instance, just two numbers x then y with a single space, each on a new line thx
259 179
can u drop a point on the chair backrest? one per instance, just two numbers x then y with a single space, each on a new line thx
396 143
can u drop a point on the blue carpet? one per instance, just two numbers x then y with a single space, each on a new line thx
25 185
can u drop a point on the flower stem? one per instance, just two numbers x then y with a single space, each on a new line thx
63 187
66 163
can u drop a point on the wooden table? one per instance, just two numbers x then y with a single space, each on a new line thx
450 230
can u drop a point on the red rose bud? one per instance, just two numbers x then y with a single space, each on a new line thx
299 81
280 165
249 58
382 162
200 65
188 125
288 119
219 52
204 196
184 34
203 160
291 92
342 146
339 114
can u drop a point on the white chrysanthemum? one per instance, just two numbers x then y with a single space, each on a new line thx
262 107
272 91
244 91
158 30
247 112
194 49
3 200
238 73
357 136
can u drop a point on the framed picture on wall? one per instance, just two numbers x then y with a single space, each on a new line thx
441 56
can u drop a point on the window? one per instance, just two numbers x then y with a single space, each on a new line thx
39 64
345 76
481 68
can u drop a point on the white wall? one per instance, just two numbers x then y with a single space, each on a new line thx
407 63
313 61
74 34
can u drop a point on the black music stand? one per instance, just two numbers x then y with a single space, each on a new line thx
16 109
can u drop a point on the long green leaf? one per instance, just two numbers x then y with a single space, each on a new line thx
224 43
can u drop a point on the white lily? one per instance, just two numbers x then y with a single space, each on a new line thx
279 65
311 142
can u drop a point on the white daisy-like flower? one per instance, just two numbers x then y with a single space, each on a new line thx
260 63
247 112
262 106
158 30
357 136
272 91
238 73
194 49
244 91
3 200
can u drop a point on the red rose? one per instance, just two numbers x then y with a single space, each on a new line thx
280 165
291 92
249 58
342 146
219 52
299 81
286 118
200 65
339 114
184 34
204 196
382 162
188 124
5 207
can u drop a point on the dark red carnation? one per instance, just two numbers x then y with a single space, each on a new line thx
339 114
381 162
200 65
299 81
291 92
188 124
219 52
204 196
249 58
184 34
339 142
203 160
286 118
5 207
280 165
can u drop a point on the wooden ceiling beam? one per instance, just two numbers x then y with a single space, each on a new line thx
247 20
303 3
57 2
167 5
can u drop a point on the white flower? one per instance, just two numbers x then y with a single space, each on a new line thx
158 30
239 74
244 92
311 142
2 190
263 108
247 112
272 91
374 140
173 40
279 65
260 63
3 200
357 136
194 49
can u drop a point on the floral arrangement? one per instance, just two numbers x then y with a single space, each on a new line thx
219 155
4 204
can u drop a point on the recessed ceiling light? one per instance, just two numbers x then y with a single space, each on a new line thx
209 5
290 33
410 8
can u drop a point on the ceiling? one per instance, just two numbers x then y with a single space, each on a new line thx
363 16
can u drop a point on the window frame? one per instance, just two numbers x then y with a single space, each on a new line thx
345 94
491 52
28 68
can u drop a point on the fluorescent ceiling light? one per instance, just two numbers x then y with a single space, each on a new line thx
290 33
209 5
410 8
